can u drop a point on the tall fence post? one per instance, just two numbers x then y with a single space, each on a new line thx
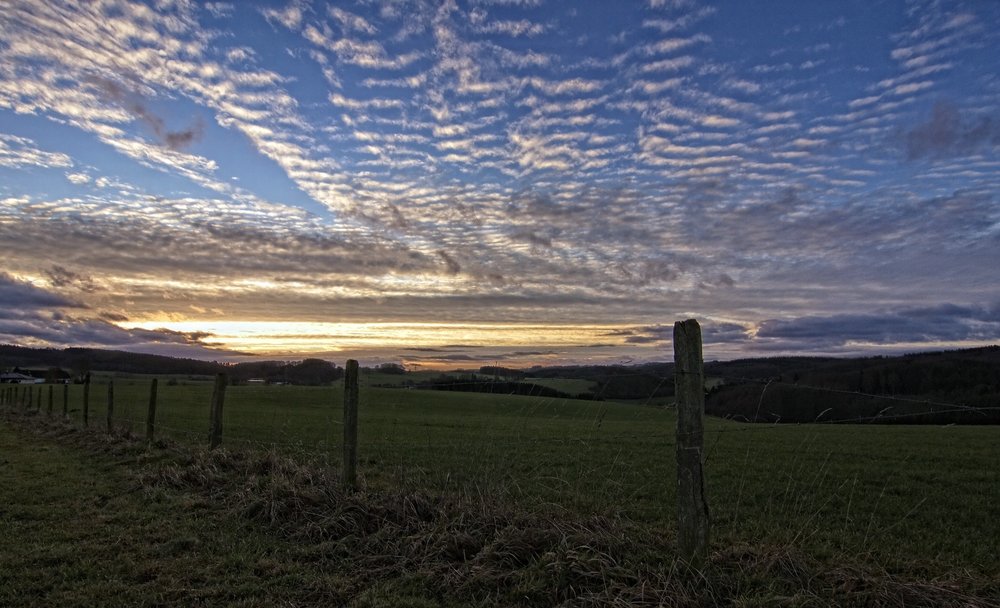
689 385
215 422
51 388
65 400
151 413
30 395
38 403
111 405
349 469
86 398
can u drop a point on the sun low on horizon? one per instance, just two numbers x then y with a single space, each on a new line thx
452 183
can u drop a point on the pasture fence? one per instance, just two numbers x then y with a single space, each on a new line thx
799 478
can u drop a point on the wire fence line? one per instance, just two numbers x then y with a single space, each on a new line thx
275 402
250 398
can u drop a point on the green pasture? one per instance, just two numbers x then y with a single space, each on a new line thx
891 494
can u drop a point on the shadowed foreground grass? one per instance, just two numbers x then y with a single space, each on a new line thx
89 518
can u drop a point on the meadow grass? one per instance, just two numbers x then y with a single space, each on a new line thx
884 494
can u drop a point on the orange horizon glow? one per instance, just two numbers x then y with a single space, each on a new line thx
304 338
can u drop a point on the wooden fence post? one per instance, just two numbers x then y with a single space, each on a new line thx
38 404
689 385
51 388
215 421
151 413
29 394
111 405
65 400
86 398
349 469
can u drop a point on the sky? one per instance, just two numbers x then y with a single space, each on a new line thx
531 182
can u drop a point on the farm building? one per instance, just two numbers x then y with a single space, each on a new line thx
18 378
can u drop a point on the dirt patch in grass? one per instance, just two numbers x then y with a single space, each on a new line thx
374 548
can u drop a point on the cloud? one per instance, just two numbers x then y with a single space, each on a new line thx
671 45
672 4
135 105
669 65
60 277
32 316
453 266
352 22
668 25
512 28
712 333
290 16
368 54
16 152
22 295
220 10
948 133
942 323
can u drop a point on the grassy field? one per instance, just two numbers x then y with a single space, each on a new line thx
890 494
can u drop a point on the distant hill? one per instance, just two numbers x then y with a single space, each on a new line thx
79 360
95 359
892 390
923 388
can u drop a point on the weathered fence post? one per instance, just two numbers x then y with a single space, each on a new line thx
86 398
111 405
349 469
65 400
51 388
689 385
29 394
38 404
215 422
151 413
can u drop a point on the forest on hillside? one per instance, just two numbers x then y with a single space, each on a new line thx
949 387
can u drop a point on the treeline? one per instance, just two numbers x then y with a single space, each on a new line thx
950 387
310 372
615 381
470 383
78 361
